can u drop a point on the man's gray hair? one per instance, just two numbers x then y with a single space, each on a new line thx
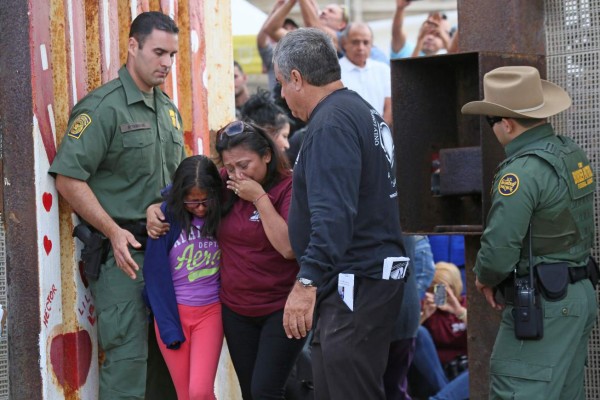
312 53
346 31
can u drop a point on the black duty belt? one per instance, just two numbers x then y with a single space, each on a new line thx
576 274
138 230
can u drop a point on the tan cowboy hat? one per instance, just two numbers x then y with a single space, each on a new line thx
518 92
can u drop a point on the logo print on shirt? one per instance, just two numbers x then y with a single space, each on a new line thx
383 138
255 217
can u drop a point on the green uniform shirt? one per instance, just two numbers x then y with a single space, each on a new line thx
125 144
525 188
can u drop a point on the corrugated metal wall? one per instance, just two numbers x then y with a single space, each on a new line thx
53 53
573 62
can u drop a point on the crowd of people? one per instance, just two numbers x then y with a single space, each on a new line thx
293 244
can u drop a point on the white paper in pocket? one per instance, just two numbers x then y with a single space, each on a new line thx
395 267
346 289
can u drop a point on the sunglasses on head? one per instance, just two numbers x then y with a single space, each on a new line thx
493 120
233 129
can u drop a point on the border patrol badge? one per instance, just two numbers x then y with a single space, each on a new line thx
174 119
508 184
81 122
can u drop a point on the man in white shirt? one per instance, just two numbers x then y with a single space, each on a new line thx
369 78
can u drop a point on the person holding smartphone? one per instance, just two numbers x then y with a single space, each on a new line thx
447 320
443 331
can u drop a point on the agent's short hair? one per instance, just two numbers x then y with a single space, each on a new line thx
528 122
312 53
146 22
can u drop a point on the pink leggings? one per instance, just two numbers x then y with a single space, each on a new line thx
193 366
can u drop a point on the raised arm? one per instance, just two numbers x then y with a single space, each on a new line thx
273 26
310 16
453 43
398 33
434 25
81 198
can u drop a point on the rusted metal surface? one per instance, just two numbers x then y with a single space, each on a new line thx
109 32
75 46
427 95
502 26
23 325
483 326
198 68
460 171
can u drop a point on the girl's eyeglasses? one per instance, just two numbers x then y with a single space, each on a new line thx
195 204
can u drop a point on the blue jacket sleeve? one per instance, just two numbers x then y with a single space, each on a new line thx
159 290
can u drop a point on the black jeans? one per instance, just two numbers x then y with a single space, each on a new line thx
350 349
261 353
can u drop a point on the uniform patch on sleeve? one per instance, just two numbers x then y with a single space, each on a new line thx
583 175
81 122
508 184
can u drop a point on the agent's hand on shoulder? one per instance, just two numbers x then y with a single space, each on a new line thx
155 221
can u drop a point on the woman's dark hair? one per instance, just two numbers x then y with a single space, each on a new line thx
262 110
257 140
196 172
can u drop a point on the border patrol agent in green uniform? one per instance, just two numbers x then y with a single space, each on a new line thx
546 180
123 144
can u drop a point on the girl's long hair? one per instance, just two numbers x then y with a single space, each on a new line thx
196 172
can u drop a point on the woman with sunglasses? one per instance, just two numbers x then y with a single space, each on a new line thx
182 276
259 268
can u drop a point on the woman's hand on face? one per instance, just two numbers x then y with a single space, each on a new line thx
245 188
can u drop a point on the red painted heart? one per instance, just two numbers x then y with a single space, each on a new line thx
47 200
47 244
71 358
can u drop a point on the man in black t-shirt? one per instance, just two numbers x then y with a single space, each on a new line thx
344 223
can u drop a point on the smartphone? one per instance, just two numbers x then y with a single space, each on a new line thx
439 294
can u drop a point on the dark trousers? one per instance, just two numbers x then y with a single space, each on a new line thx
426 375
261 353
350 348
395 378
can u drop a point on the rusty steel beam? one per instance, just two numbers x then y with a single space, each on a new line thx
16 115
514 31
502 26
